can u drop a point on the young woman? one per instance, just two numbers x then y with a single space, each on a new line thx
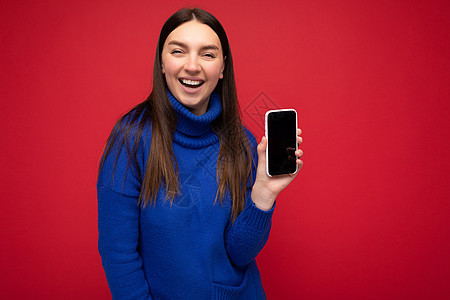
183 207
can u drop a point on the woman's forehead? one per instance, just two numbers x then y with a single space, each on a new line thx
194 34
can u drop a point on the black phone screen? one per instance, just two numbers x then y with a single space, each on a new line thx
282 142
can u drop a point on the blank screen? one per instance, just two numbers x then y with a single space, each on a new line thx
282 142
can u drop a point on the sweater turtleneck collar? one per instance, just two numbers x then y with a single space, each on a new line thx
195 131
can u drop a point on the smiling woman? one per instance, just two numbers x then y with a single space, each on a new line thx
193 63
166 165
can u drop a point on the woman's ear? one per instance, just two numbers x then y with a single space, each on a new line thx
163 70
223 68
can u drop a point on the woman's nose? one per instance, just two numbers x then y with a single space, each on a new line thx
192 64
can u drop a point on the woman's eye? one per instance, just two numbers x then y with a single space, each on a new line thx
209 55
175 51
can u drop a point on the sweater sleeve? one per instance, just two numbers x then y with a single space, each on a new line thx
246 237
118 226
118 189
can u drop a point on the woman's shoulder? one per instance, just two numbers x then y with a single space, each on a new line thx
138 116
133 127
124 157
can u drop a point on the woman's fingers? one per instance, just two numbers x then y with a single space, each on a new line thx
299 138
299 152
262 146
261 149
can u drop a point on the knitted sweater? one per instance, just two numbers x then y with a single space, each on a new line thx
188 249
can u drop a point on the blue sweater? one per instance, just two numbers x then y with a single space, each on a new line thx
188 249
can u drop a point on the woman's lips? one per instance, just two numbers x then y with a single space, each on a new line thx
191 82
191 86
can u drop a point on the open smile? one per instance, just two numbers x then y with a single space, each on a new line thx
191 84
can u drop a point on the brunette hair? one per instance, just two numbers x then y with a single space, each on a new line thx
235 157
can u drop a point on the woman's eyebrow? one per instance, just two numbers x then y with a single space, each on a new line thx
206 47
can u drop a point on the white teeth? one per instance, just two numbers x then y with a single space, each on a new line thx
191 82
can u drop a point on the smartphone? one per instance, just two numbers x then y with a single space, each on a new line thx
281 133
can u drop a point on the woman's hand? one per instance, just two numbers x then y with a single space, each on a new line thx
266 189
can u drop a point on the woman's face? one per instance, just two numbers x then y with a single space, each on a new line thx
193 63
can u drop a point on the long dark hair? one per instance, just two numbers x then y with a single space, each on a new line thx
235 157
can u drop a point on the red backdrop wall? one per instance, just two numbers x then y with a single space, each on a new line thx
367 218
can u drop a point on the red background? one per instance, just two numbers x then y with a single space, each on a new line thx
367 218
